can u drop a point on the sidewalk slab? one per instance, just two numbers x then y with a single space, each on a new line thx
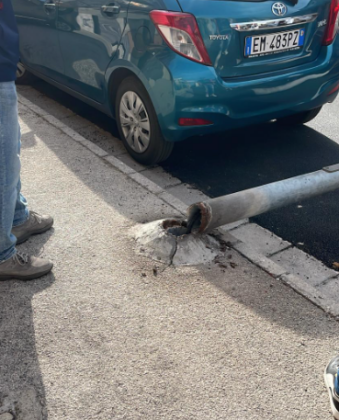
260 239
301 264
330 288
161 177
187 194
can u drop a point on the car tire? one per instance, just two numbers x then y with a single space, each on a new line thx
23 76
138 124
300 118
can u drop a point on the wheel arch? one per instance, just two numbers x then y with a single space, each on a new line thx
157 148
116 76
158 83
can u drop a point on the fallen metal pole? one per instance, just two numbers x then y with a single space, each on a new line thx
220 211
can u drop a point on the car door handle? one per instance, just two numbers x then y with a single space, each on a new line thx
110 9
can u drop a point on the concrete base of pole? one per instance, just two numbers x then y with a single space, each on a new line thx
165 241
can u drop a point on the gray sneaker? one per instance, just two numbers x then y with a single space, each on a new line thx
34 225
24 267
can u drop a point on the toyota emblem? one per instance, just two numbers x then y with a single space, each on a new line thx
279 9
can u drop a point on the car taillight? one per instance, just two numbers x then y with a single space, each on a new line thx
332 24
182 34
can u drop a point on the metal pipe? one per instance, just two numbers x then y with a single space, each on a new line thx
207 215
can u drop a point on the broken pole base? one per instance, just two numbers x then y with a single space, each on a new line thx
165 241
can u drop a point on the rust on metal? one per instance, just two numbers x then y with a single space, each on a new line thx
170 223
205 216
230 208
175 227
199 217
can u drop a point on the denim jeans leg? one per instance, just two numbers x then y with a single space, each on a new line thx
9 167
21 210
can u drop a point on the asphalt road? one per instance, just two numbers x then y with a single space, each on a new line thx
233 161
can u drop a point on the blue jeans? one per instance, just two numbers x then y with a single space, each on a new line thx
13 206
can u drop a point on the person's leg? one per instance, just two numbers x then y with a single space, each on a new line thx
13 265
21 210
25 223
9 167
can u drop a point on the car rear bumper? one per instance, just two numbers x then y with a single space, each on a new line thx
191 90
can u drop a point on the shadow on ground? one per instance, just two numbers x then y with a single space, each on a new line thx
21 385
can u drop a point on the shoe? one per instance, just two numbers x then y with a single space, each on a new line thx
34 225
332 384
24 267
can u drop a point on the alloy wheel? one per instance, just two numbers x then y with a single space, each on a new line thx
135 122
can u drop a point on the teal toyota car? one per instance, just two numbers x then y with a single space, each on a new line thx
167 70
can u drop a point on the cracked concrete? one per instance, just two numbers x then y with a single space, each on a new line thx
156 241
153 241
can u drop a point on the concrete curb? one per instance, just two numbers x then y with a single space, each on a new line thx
231 234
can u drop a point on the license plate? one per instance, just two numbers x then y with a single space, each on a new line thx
261 45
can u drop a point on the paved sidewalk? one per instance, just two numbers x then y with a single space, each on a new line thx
112 335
